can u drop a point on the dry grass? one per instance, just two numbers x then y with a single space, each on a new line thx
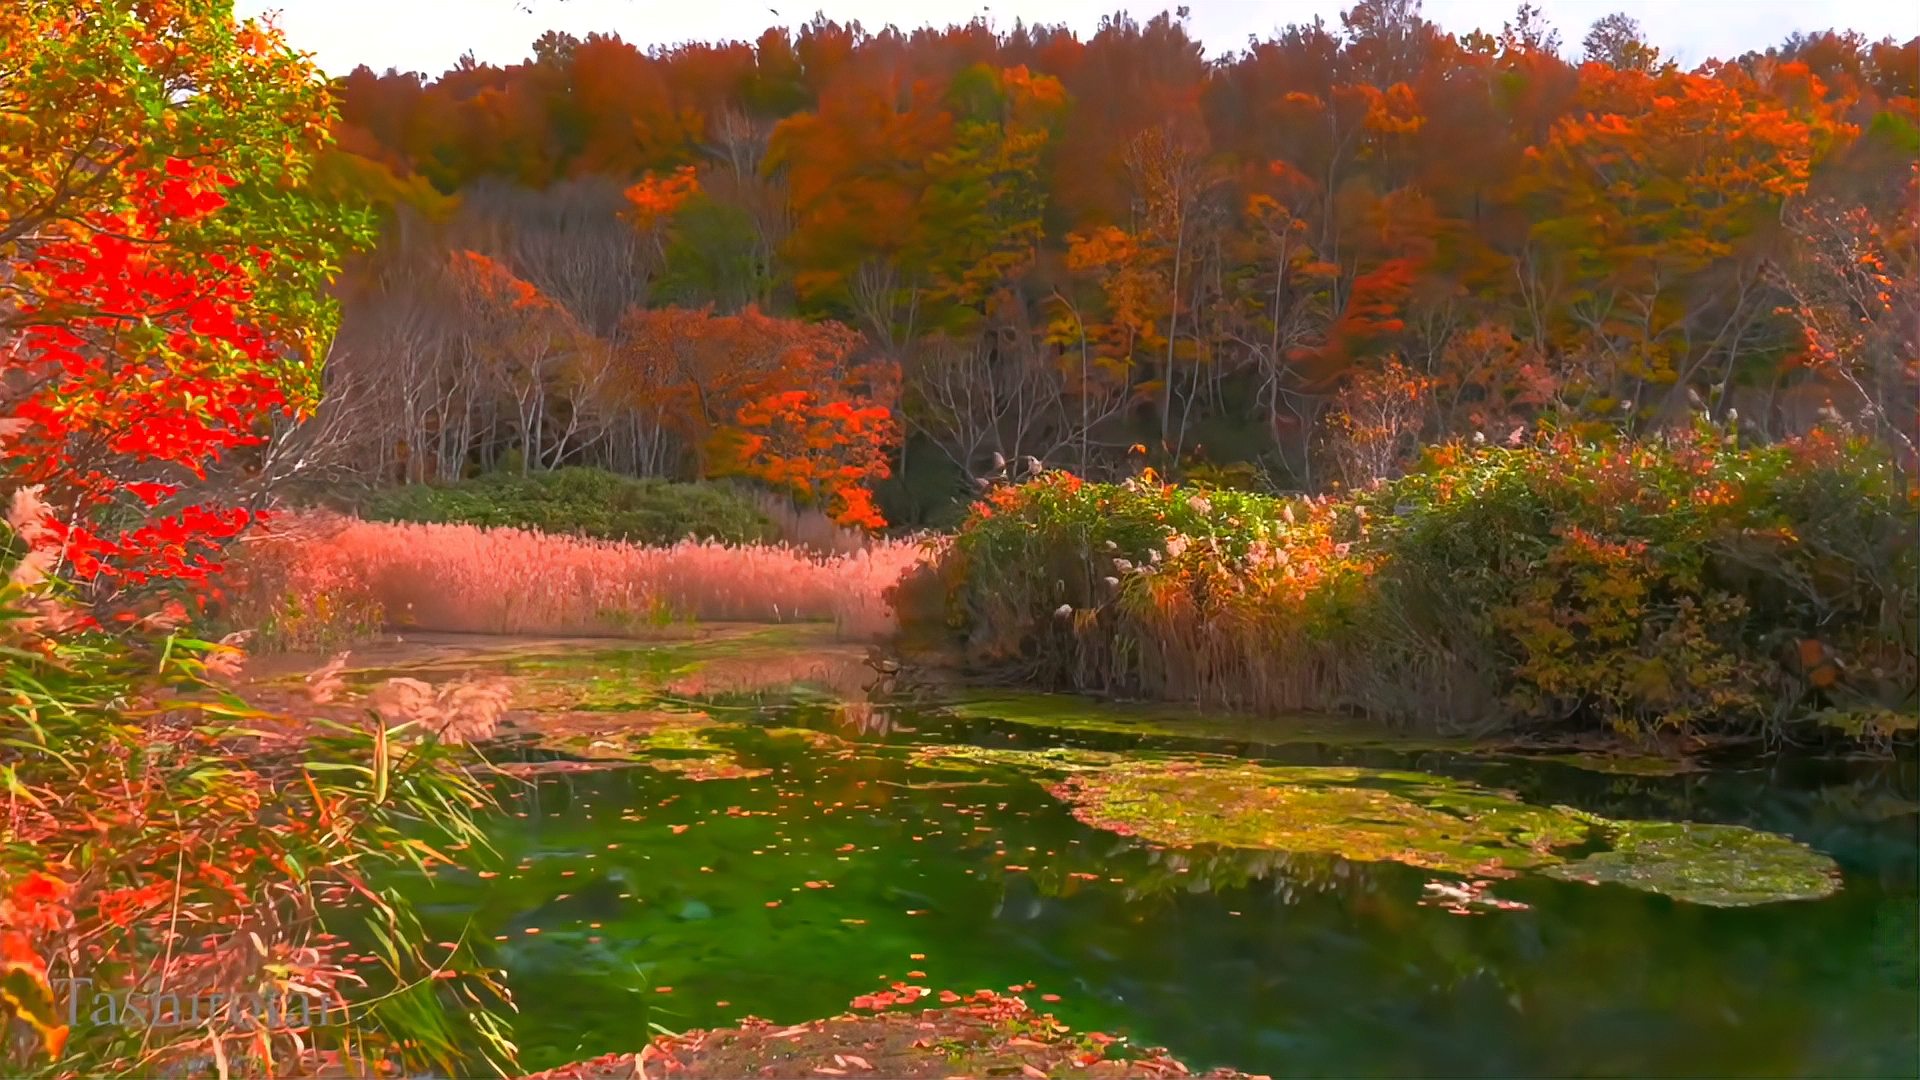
807 527
321 580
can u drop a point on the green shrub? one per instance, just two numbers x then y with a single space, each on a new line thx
1684 585
1143 588
580 501
1681 585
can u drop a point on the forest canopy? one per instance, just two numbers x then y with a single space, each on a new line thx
1291 264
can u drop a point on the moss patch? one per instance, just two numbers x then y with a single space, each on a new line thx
1717 865
1072 712
601 703
1621 764
1451 826
819 740
1358 814
1076 713
1873 722
675 742
1058 759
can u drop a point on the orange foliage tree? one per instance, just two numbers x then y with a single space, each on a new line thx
534 350
777 400
1853 286
163 305
1656 195
1376 422
162 281
652 203
825 445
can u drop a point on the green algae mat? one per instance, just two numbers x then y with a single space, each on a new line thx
1450 826
707 849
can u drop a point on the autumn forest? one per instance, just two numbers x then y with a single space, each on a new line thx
1291 265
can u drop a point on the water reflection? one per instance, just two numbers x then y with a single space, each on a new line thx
865 718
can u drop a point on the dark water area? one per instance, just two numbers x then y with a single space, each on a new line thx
629 897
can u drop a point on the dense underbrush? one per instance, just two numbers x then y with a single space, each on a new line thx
1686 585
579 502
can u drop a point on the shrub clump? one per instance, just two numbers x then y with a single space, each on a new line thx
1684 585
581 502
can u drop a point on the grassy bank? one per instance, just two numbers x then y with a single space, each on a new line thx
1691 585
579 502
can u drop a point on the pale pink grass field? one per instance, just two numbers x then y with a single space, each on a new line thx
308 571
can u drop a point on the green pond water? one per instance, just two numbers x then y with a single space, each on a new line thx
785 855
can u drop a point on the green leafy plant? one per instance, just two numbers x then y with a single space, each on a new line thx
580 501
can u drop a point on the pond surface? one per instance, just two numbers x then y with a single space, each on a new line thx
780 857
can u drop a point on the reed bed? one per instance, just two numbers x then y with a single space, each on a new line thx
319 580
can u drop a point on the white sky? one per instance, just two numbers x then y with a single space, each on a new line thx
429 35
